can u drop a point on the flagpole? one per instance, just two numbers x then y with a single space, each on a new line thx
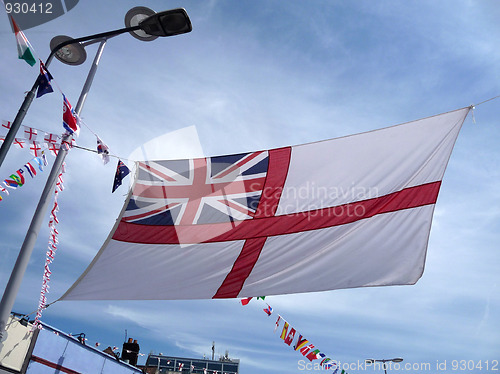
11 134
17 274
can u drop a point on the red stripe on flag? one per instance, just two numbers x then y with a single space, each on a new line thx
155 172
198 190
53 365
236 166
237 207
242 268
14 25
201 189
159 210
279 161
408 198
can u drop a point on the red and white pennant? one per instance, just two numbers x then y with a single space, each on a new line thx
51 251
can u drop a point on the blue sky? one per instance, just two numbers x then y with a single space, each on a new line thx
264 74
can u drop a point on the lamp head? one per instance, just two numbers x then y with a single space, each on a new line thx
167 23
71 54
134 17
149 25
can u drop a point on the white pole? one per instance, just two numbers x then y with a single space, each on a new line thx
17 274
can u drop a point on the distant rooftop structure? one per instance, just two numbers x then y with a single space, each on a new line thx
170 364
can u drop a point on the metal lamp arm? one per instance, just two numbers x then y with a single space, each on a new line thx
92 38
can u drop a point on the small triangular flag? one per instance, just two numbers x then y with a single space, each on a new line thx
70 123
102 150
246 301
121 172
44 85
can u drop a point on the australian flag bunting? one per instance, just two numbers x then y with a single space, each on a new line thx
121 172
44 85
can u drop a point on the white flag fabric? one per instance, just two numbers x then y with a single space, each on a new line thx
349 212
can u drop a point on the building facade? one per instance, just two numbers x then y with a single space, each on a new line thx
159 364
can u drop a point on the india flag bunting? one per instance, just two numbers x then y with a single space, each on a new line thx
23 46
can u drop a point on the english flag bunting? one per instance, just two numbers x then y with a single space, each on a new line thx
349 212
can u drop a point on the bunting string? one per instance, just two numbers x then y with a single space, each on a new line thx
485 101
18 178
53 142
109 154
51 251
37 140
34 140
299 343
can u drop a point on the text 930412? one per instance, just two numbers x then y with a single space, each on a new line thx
26 8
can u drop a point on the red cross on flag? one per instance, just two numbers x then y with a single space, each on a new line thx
6 125
19 142
349 212
35 149
51 138
30 133
53 148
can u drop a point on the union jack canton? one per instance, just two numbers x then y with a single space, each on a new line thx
198 191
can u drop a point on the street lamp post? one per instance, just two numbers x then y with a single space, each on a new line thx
143 23
148 26
371 361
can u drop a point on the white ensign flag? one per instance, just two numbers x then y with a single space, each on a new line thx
349 212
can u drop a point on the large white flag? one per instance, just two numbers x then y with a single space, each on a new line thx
349 212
